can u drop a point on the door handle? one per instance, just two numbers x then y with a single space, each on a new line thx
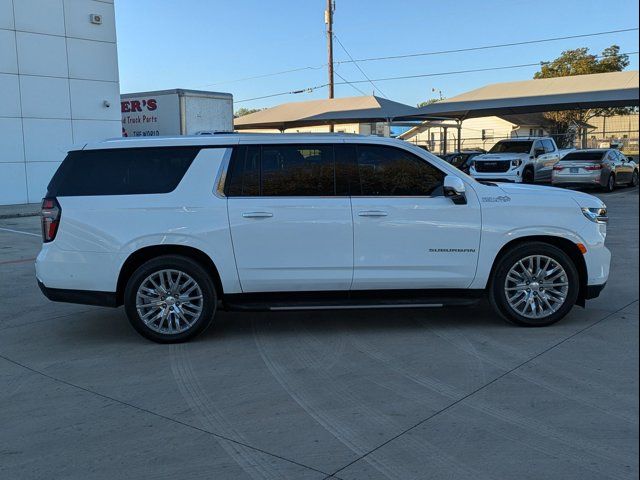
372 213
257 214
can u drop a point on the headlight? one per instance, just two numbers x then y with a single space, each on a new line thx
596 215
516 163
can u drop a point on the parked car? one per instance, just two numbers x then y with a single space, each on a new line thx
462 160
176 228
604 168
519 160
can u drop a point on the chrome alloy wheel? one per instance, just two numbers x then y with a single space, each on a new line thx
536 286
169 301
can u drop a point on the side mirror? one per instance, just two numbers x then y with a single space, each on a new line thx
538 151
454 189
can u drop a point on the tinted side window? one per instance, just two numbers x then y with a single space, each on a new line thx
283 171
244 172
127 171
297 170
347 180
390 171
548 146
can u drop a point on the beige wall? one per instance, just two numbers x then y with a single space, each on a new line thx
616 126
476 133
358 128
622 128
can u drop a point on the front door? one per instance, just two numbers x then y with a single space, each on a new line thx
547 161
291 230
407 234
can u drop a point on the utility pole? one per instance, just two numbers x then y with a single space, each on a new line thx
328 20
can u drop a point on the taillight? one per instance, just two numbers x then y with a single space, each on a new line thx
557 168
50 215
597 166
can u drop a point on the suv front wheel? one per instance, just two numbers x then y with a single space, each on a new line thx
170 299
535 284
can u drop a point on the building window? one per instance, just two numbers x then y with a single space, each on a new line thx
487 133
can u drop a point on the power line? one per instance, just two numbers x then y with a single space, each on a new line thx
405 77
358 66
475 70
293 92
350 83
440 52
264 75
488 47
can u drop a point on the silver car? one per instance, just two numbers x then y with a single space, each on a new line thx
604 168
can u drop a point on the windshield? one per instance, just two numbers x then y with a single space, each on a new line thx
593 156
511 147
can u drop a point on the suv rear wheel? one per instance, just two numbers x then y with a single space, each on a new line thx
170 299
535 284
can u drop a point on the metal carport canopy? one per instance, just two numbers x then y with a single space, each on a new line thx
325 112
600 90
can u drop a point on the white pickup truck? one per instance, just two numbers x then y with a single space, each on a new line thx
519 160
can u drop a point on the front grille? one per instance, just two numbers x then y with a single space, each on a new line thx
493 166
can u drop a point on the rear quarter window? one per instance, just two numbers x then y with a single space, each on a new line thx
130 171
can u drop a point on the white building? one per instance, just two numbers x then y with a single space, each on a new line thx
481 132
484 132
58 87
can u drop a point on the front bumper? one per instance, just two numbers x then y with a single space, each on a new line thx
510 176
593 291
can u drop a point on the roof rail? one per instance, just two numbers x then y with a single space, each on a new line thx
214 132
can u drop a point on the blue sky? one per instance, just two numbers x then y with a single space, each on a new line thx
204 44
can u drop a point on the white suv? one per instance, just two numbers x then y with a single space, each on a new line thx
175 228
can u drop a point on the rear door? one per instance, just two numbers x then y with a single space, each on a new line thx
291 224
623 167
407 234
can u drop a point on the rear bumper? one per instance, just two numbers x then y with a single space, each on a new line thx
577 180
85 297
76 270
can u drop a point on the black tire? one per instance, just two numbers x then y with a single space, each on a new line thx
528 176
634 179
181 264
497 294
611 183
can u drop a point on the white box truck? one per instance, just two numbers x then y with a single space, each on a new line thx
175 112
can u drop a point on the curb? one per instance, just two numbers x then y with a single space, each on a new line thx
19 215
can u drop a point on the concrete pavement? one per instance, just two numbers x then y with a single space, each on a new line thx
453 393
22 210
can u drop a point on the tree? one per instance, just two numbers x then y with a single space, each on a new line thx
566 124
429 102
245 111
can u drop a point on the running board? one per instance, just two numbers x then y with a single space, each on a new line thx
385 299
358 307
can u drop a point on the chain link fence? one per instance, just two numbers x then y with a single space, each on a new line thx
625 140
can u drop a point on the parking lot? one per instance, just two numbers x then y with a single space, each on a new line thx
451 393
